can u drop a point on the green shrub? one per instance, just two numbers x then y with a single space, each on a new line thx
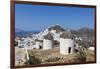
81 55
33 60
53 59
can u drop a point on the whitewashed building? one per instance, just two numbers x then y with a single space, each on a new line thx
66 43
38 44
91 48
47 42
19 43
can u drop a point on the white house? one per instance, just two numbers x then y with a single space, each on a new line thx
19 43
66 43
91 48
48 42
38 44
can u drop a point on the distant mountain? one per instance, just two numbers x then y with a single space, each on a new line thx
58 28
19 30
84 32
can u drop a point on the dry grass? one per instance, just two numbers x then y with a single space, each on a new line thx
53 56
54 53
90 55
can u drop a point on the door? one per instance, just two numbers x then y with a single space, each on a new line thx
69 50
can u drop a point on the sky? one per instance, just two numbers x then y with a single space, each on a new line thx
38 17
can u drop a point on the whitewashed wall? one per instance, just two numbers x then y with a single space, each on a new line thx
65 44
19 43
37 45
47 44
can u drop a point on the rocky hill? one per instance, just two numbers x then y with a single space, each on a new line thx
58 28
84 32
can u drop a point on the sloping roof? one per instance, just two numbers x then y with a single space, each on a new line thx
67 34
48 36
38 40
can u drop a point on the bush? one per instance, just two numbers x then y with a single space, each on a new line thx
81 55
33 60
53 59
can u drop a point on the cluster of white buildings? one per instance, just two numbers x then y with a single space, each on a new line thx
45 40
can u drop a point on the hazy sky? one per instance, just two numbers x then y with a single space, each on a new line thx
36 17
